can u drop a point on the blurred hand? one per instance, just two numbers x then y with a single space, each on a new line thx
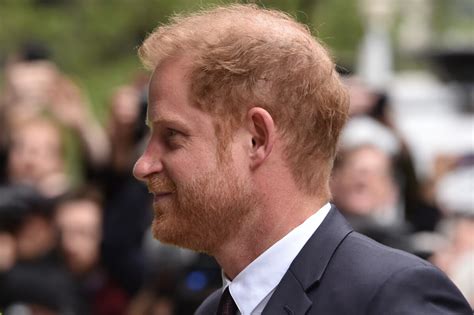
125 106
68 104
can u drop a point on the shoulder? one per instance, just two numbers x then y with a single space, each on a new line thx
377 263
367 251
209 306
367 262
421 289
384 280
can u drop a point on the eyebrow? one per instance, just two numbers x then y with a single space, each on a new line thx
166 122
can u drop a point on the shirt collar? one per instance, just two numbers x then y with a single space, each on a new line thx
261 276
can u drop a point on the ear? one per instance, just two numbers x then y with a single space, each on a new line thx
262 131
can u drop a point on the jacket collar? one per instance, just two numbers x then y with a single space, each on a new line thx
308 267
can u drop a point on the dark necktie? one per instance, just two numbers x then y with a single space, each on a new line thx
227 305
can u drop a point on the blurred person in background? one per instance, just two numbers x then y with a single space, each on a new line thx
39 104
34 232
78 217
364 184
34 85
29 80
36 155
35 280
364 188
372 122
374 107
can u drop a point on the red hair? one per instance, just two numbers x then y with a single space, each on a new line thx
244 56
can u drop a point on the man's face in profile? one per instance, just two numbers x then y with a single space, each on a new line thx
200 200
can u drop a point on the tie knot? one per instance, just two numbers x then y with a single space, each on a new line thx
227 305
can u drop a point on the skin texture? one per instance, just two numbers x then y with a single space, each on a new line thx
223 207
197 205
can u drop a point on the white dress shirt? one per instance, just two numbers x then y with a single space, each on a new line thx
253 287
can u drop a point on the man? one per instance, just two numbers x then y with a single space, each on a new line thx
245 109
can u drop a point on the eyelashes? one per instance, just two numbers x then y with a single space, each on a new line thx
170 133
173 138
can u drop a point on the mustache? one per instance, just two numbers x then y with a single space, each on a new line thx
160 183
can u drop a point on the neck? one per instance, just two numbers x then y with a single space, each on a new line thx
260 232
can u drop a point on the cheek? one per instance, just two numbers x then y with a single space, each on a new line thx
181 169
235 156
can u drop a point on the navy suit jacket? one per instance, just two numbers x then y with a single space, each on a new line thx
342 272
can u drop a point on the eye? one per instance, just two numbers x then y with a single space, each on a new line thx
171 138
170 133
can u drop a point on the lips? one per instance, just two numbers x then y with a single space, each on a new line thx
161 195
161 187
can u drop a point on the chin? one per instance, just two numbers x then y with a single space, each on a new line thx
175 233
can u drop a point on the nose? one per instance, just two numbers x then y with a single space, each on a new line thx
148 163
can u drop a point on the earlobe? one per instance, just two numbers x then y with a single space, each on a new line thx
262 130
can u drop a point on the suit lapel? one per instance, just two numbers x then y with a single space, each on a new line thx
290 296
289 299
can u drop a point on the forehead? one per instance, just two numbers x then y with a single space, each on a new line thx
167 76
169 97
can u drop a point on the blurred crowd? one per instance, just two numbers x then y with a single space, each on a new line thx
78 242
81 244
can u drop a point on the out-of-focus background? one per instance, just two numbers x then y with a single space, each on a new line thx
74 224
